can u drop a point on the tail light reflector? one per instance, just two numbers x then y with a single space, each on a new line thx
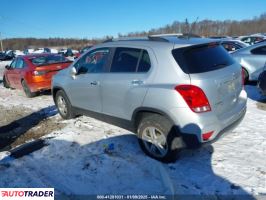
39 73
206 136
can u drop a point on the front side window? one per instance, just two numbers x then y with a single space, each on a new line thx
13 64
93 62
19 64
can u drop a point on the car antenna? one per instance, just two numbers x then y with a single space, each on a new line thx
191 28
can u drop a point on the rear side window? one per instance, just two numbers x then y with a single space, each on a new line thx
231 46
202 58
125 60
259 51
145 63
130 60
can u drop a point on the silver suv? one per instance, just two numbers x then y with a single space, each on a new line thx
172 93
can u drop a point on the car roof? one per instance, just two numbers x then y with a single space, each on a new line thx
158 41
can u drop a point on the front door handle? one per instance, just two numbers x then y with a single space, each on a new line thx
95 83
137 82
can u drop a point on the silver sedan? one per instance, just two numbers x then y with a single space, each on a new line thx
252 59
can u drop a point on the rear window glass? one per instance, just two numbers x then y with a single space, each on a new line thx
48 59
202 58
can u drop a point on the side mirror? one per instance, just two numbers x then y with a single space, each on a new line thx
7 67
73 72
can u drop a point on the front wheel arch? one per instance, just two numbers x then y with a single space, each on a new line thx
246 75
70 113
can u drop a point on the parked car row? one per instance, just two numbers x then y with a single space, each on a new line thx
173 92
69 53
33 72
10 54
252 39
5 56
252 60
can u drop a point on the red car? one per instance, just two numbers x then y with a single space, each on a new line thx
33 73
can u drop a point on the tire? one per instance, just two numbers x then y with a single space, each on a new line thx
5 83
63 105
167 143
246 76
27 90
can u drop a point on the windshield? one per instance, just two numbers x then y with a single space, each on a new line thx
202 58
48 59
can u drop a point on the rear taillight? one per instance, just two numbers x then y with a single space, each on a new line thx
39 73
195 98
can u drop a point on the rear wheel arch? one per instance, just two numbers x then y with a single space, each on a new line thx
6 82
139 113
27 89
158 137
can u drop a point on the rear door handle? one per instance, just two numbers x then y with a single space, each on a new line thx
95 83
137 82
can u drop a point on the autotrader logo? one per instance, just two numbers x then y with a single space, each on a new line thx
27 193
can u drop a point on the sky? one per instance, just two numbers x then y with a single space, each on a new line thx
99 18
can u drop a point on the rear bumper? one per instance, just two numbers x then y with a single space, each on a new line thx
192 125
192 141
40 85
228 128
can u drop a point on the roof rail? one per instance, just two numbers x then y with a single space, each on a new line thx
149 38
156 38
167 34
178 35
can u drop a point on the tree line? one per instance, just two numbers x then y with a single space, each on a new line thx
205 28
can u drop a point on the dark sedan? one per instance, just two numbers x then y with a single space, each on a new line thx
4 56
262 83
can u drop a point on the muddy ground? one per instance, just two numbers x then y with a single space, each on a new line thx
262 104
19 125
